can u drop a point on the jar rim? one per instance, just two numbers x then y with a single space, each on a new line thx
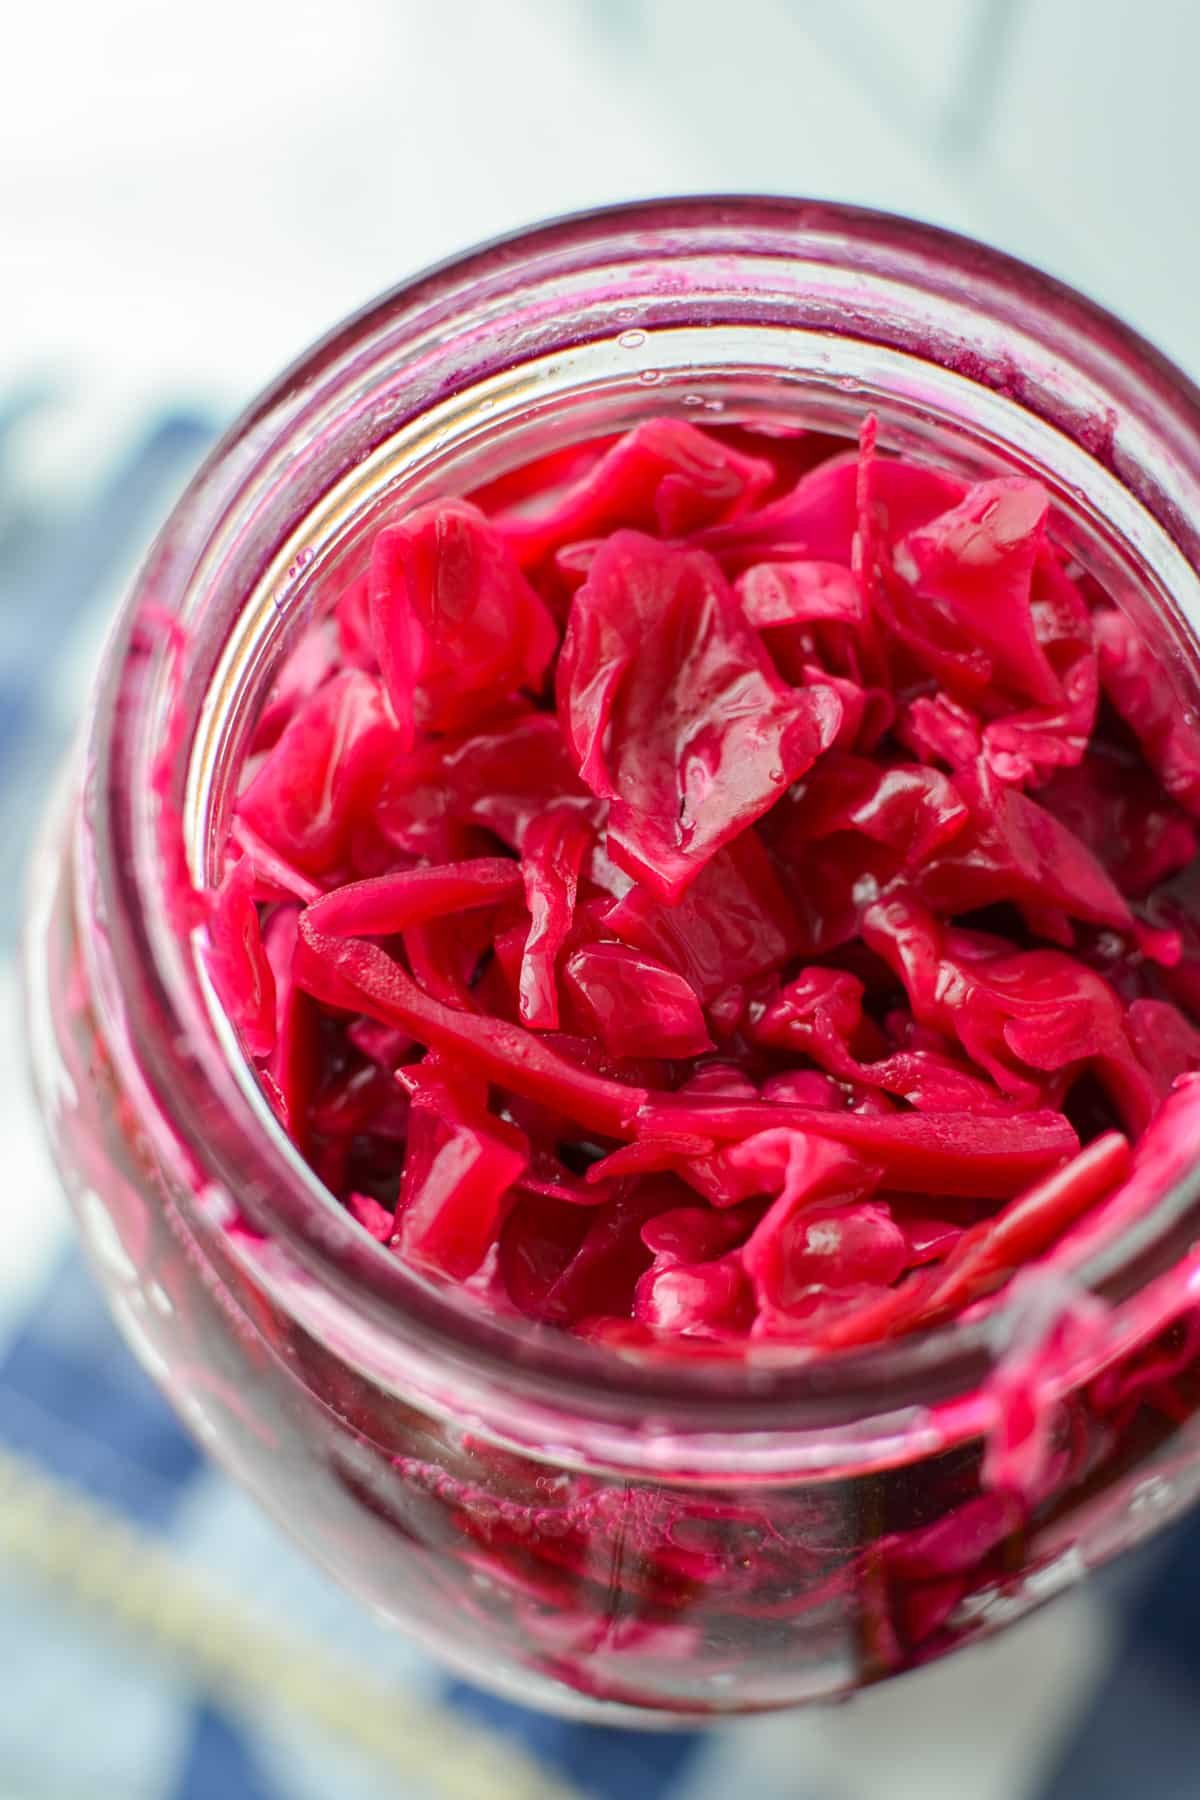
162 1013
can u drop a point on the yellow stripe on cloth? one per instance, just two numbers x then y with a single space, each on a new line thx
98 1560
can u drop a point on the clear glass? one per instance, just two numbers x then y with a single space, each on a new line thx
595 1535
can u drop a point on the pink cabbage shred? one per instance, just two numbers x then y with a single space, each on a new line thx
691 898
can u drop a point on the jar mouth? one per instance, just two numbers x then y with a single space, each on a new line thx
829 309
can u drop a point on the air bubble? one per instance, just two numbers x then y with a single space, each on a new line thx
632 340
692 400
648 377
296 569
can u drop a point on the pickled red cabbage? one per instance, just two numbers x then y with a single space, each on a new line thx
695 903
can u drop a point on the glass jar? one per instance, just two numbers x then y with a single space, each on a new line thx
605 1537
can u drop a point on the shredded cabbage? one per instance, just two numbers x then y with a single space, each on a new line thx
692 894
